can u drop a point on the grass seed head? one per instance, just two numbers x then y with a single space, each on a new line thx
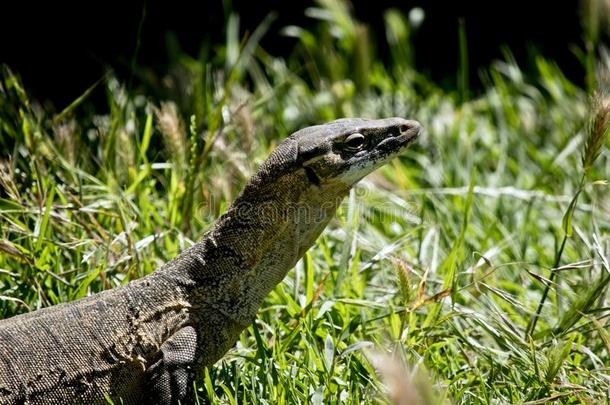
172 128
597 130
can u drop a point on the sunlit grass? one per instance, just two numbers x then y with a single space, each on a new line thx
434 268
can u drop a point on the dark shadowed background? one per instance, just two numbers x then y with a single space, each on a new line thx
60 49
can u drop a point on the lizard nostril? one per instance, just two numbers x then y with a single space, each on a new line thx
404 128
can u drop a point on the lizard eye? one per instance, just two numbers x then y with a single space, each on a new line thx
354 141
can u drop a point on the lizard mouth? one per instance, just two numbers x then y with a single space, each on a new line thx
394 144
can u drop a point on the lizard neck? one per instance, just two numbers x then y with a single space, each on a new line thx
259 239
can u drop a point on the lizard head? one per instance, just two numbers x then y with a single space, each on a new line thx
346 150
332 157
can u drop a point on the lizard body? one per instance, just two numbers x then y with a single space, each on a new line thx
144 342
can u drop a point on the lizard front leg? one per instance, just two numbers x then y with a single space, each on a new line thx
170 378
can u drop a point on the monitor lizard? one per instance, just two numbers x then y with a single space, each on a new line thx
145 342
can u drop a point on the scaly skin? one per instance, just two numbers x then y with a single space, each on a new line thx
146 341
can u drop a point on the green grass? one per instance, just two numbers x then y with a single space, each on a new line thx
429 279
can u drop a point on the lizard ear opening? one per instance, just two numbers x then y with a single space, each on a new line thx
311 175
